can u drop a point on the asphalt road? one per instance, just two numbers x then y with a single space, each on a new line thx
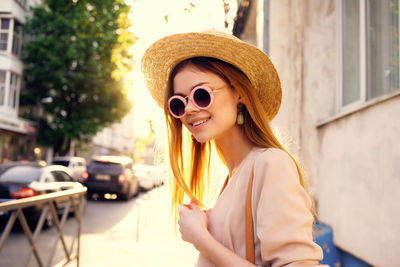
138 232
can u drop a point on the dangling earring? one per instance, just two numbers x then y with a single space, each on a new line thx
240 118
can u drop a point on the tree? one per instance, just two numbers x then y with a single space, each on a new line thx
77 55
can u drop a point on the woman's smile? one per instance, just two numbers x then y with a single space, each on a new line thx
197 123
216 121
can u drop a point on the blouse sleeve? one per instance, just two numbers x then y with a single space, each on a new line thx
281 208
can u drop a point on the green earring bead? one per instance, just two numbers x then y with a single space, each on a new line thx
239 118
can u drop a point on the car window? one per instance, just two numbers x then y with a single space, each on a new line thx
48 177
105 167
61 162
61 176
21 174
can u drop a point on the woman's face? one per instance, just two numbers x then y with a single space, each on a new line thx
219 120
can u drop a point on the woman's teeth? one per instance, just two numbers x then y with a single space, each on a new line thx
199 122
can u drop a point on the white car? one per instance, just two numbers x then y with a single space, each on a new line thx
28 180
77 165
149 176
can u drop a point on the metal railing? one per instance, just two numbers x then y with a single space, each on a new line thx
71 197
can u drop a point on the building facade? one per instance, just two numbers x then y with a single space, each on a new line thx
338 61
17 136
118 139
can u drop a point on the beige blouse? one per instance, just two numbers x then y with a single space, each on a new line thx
281 213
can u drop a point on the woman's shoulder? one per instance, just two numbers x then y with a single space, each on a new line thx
275 168
274 156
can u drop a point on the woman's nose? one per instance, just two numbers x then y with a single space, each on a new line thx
190 107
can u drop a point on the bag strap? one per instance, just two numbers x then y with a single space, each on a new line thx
250 255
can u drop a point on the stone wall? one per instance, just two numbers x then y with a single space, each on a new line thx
352 159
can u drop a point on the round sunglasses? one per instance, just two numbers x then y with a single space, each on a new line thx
201 96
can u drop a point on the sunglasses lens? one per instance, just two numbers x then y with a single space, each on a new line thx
202 98
177 107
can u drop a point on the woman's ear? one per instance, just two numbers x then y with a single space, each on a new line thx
239 98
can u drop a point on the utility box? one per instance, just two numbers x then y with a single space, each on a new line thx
323 236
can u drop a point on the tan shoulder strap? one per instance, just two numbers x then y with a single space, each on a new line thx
250 256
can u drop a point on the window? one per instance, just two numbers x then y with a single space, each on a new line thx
4 31
10 30
48 177
2 86
370 49
61 176
17 39
14 80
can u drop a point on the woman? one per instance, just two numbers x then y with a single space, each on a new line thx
226 92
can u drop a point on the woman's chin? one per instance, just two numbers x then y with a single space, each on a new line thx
201 139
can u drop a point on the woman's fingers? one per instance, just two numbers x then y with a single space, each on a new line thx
187 206
192 222
194 206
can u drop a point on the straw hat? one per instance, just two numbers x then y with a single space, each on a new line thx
162 56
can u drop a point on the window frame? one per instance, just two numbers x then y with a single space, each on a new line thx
363 101
14 33
17 38
7 31
12 89
4 89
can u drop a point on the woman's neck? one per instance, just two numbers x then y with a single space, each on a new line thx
234 148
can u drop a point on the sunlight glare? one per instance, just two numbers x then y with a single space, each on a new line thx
151 20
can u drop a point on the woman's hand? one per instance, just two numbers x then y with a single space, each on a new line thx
193 223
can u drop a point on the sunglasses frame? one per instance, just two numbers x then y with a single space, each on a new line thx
186 99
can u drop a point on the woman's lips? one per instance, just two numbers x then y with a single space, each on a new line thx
199 122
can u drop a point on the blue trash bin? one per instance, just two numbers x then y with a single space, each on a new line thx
323 236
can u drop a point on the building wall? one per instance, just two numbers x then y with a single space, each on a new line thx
15 8
117 139
352 159
17 135
359 188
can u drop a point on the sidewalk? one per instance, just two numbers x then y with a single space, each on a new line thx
158 245
144 238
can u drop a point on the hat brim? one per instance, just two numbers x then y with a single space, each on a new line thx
162 56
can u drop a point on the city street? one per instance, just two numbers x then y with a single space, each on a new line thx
115 233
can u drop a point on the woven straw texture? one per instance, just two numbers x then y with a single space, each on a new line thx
162 56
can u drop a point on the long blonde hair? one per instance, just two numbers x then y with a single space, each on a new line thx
191 172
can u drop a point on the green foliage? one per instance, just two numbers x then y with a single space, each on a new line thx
77 55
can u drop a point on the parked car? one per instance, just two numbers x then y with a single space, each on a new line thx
6 166
149 176
28 180
111 174
77 165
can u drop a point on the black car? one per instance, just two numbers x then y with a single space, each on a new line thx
113 175
28 180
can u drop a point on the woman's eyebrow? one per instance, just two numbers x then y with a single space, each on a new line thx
199 84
